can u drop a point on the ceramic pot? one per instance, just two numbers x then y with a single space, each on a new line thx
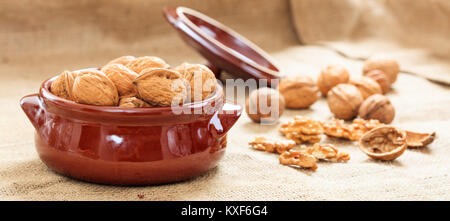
129 146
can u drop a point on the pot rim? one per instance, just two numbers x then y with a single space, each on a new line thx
61 103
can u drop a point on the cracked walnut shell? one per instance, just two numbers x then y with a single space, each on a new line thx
161 87
141 63
202 80
331 76
381 78
415 139
63 84
384 143
388 66
367 86
122 77
344 101
298 92
93 87
377 107
264 105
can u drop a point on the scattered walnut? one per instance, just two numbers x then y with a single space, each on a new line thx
132 102
62 85
388 66
93 87
367 86
265 105
344 101
124 60
161 87
327 152
299 158
122 77
377 107
298 92
384 143
302 129
381 78
331 76
141 63
202 80
271 145
415 139
359 127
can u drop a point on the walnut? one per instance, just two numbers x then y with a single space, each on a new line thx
388 66
271 145
367 86
122 77
302 129
124 60
202 80
384 143
344 101
264 105
354 131
377 107
381 78
161 87
298 92
359 127
327 152
337 128
415 139
93 87
298 158
132 102
62 85
331 76
141 63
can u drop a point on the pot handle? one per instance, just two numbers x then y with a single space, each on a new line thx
224 119
31 105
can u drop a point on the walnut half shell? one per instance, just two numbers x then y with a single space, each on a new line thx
415 139
383 143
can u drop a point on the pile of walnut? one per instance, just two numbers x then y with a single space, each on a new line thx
136 82
347 97
377 140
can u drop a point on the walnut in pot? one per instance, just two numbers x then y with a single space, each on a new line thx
344 101
124 60
202 80
265 105
161 87
381 78
122 77
63 84
383 143
388 66
132 102
377 107
93 87
331 76
141 63
367 86
298 92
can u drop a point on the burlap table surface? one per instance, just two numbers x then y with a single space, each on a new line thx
44 38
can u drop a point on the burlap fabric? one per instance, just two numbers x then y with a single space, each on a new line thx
39 39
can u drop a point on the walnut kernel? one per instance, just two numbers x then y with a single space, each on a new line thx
298 158
271 145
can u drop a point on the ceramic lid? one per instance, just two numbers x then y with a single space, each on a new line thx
223 48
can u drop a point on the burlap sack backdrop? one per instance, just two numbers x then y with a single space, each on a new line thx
39 39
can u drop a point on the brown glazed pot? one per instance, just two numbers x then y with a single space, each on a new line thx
222 47
129 146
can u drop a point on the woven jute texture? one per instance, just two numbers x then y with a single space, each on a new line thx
46 37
